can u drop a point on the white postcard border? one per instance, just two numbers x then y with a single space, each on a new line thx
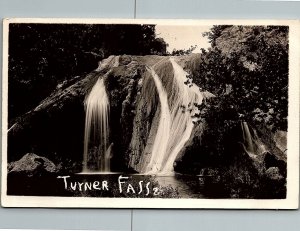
291 201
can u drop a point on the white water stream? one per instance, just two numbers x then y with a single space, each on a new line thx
176 122
252 144
96 128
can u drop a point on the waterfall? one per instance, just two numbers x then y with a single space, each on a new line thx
163 131
96 154
182 110
248 141
251 142
176 122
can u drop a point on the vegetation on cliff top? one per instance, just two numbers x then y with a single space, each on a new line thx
41 56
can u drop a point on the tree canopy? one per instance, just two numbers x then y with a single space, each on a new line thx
42 55
247 69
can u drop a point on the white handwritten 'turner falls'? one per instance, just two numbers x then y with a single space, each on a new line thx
124 186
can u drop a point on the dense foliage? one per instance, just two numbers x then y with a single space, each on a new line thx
41 56
247 69
183 51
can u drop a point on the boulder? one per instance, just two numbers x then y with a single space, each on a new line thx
273 173
30 164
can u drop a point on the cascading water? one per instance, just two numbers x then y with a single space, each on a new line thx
163 132
182 111
176 122
96 156
97 153
252 144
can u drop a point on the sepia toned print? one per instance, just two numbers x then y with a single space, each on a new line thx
150 113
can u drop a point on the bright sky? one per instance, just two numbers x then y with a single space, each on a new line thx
183 37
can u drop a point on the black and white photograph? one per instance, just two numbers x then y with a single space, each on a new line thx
150 113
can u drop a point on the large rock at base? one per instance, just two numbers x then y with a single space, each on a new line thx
274 173
31 164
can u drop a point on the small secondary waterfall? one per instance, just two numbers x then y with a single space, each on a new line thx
176 122
252 144
96 153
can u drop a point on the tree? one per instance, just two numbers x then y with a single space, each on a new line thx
247 69
183 51
43 55
214 33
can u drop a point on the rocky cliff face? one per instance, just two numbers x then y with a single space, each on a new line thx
55 128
